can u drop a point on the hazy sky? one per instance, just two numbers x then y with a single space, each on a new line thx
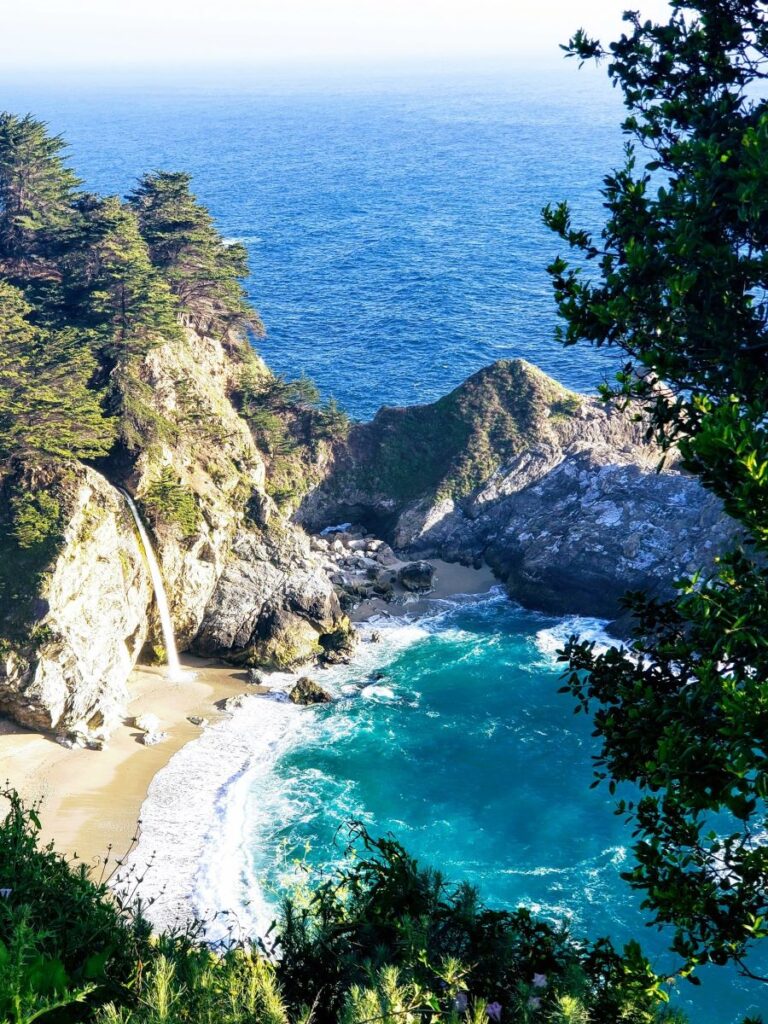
120 33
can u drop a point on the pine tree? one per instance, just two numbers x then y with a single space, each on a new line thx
46 407
203 271
36 195
112 286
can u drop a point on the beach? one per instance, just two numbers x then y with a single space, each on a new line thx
91 800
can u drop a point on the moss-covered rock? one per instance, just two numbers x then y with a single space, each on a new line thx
306 692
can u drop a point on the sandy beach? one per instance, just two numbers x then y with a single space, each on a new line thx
91 799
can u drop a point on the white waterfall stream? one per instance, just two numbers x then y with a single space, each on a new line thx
175 671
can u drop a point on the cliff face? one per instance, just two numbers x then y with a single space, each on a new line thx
559 494
241 580
70 673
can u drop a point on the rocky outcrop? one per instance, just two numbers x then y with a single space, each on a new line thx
562 496
416 576
559 494
306 692
69 674
241 580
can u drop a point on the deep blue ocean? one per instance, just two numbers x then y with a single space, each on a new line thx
396 246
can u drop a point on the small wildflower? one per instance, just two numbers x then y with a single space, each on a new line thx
494 1011
539 981
461 1002
534 1003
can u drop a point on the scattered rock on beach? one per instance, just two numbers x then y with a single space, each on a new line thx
149 739
416 576
147 723
306 691
254 678
197 720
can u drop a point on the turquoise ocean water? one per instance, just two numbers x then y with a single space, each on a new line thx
395 241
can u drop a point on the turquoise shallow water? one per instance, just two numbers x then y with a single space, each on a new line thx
466 752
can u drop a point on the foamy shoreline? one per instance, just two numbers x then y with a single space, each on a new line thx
92 800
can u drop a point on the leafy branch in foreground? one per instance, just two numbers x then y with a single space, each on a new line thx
677 282
380 940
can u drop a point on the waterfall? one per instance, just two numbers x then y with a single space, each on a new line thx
175 671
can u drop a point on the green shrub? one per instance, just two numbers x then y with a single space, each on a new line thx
381 939
56 911
167 501
36 518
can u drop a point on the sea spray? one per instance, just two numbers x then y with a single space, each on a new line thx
175 671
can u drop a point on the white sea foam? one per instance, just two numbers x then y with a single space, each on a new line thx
554 638
220 796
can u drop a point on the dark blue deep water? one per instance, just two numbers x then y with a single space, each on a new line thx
393 225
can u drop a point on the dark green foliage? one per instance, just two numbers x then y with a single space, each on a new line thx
167 502
33 985
384 909
383 939
330 422
677 281
58 911
204 272
36 196
36 518
112 285
47 409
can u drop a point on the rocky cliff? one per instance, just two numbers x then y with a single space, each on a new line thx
562 496
559 494
242 582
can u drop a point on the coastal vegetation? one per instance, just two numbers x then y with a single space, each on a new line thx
381 938
676 281
92 287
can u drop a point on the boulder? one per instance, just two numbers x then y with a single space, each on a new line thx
283 640
306 691
149 739
416 576
254 678
338 646
147 722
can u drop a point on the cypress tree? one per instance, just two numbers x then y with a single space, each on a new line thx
203 271
112 286
46 407
36 195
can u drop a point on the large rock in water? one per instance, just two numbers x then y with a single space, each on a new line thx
559 493
306 691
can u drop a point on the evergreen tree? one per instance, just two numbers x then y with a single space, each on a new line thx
203 271
36 195
678 284
46 407
112 286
